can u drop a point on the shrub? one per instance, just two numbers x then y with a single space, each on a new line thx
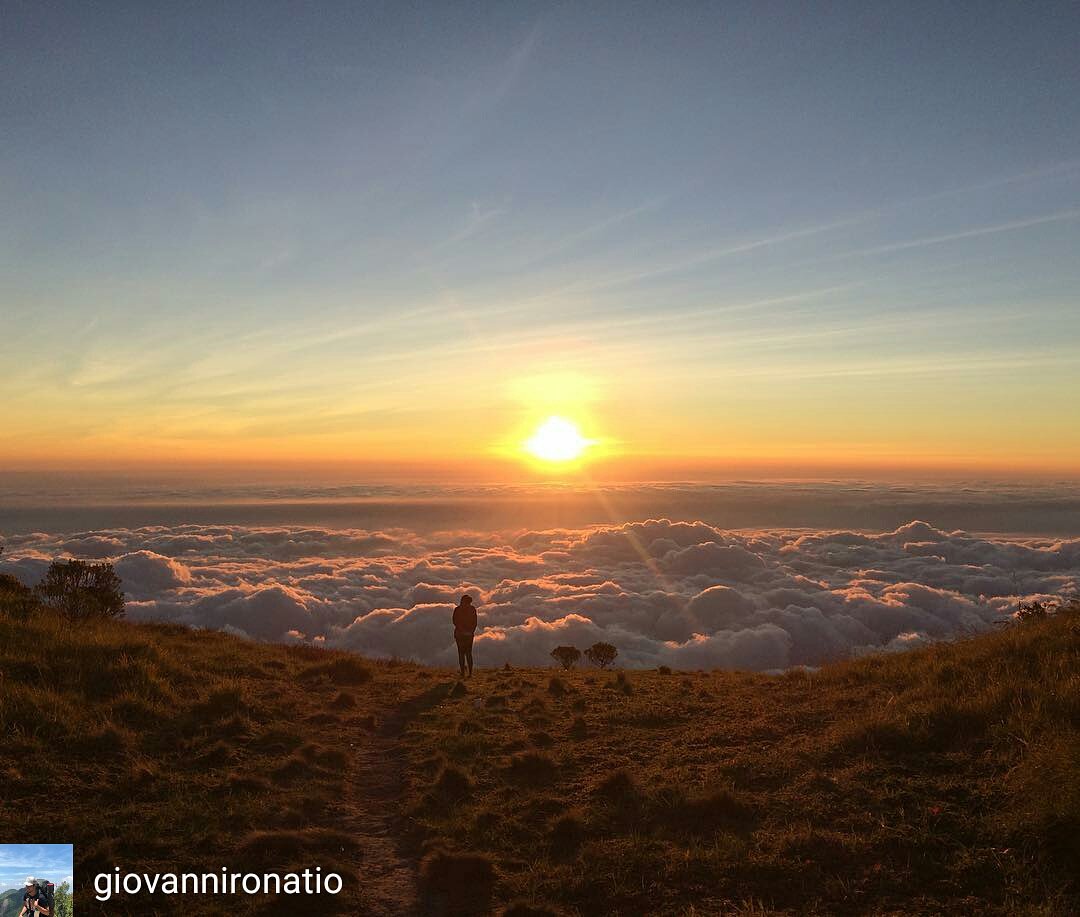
9 583
16 599
664 670
621 683
80 590
566 656
62 901
601 654
1034 611
557 687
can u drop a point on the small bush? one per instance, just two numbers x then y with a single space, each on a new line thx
16 600
81 591
664 670
1034 611
622 683
557 687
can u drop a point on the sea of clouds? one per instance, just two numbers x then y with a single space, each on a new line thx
685 594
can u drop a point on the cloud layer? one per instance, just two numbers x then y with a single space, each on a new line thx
684 594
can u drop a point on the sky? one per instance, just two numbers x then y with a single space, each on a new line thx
392 238
52 862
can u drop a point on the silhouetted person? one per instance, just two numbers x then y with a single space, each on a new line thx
464 630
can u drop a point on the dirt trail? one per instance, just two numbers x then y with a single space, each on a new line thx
388 880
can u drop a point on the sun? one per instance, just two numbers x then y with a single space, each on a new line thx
557 440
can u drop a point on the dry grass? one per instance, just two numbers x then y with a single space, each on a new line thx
158 748
945 780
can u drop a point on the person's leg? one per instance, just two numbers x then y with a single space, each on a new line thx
468 654
460 654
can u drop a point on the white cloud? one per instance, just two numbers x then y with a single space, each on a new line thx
146 573
685 594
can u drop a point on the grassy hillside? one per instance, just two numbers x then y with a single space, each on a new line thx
158 748
11 902
942 780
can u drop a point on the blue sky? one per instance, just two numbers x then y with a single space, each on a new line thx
52 862
739 229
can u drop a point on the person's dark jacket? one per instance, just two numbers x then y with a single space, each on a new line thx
37 897
465 620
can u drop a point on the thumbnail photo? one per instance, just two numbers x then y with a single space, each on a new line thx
36 880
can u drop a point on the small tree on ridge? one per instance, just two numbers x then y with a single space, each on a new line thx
81 590
566 656
601 654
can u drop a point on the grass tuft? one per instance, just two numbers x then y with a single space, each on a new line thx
341 671
532 768
456 883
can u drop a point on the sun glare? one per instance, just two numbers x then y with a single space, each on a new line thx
557 440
